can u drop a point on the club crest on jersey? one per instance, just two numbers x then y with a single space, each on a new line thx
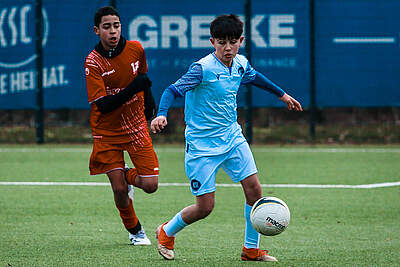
241 71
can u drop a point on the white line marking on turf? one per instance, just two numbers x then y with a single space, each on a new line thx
254 149
56 183
327 150
363 186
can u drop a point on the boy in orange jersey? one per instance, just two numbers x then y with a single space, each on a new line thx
121 103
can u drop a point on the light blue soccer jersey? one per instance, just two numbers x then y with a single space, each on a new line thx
210 90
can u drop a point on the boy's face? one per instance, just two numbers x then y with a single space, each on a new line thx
109 31
226 49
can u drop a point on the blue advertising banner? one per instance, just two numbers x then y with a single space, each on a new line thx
67 39
357 48
172 40
357 53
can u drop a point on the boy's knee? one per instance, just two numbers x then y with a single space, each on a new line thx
147 184
150 188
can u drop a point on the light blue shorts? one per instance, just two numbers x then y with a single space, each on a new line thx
238 163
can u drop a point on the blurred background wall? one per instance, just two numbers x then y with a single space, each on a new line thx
348 59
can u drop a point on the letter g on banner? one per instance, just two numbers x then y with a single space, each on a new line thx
14 33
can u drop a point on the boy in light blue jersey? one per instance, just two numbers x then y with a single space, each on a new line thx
214 139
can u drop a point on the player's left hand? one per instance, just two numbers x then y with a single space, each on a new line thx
291 103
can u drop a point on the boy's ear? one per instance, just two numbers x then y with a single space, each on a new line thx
96 30
241 39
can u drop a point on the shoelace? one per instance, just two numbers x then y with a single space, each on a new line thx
140 234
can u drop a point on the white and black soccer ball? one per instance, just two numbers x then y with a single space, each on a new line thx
270 216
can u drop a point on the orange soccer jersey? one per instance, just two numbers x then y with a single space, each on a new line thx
107 76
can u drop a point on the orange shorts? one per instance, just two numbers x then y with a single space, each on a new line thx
108 157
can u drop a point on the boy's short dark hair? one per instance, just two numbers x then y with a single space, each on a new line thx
104 11
226 26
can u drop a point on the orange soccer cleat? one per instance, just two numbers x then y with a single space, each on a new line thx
256 254
165 243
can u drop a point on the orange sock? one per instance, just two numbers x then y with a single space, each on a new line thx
131 175
128 216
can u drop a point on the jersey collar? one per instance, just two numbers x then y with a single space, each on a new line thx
113 52
222 64
233 61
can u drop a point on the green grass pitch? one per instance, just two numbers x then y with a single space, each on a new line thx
61 225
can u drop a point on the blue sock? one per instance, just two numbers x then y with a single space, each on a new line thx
251 236
174 225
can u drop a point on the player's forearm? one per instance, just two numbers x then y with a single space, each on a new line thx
264 83
110 103
166 100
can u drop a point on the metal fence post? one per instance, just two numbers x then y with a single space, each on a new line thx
113 3
249 101
39 75
312 70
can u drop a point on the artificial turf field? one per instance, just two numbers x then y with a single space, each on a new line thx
78 225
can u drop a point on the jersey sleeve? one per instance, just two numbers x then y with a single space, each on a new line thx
166 100
249 74
189 80
94 82
256 78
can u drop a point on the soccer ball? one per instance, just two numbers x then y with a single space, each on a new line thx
270 216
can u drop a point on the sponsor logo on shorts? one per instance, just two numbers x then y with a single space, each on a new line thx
195 185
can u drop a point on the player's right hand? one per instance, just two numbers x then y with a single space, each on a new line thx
158 124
